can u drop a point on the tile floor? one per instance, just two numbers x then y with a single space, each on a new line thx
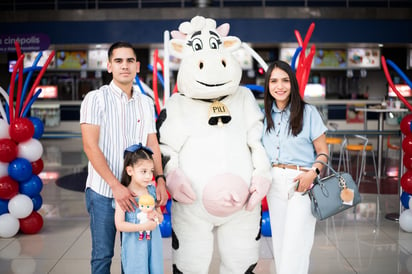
363 241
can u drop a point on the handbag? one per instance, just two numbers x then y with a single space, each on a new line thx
327 193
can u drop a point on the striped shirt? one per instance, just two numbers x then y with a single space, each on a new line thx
122 122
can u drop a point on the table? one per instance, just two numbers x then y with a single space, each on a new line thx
381 112
390 216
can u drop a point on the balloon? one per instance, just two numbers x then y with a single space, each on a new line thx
8 150
407 145
405 220
406 124
4 129
4 169
30 150
20 169
38 127
410 203
406 181
166 226
31 224
9 225
37 166
37 202
266 230
20 206
8 188
4 206
407 161
405 197
21 129
31 187
265 204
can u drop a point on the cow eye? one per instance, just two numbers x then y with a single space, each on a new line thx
213 43
197 44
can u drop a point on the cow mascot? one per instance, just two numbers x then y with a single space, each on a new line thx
218 171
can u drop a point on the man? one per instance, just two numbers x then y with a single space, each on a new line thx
111 119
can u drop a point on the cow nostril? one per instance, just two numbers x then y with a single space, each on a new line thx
201 65
224 63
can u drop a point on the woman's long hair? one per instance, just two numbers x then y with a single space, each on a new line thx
297 105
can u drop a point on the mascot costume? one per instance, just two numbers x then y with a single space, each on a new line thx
217 172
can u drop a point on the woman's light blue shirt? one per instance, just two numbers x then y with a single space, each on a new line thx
284 148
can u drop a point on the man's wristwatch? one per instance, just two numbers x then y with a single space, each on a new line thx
160 176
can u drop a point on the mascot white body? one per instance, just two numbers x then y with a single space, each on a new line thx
218 171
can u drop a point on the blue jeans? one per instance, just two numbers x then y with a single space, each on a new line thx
103 231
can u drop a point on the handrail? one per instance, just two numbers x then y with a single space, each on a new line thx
363 132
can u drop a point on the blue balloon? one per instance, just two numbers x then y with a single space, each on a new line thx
4 206
31 187
166 226
405 199
20 169
38 127
266 230
37 202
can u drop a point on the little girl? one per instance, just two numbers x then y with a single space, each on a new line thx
146 255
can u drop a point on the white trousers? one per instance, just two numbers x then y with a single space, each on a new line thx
292 223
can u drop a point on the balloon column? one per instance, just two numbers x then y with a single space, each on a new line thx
405 219
20 153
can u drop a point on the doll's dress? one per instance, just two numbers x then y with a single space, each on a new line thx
142 256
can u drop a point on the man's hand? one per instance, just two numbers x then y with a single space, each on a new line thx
124 197
161 192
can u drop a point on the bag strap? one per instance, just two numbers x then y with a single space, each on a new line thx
328 166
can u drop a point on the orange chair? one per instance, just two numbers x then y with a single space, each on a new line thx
331 142
361 149
393 147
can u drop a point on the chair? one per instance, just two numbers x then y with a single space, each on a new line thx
331 142
393 147
361 149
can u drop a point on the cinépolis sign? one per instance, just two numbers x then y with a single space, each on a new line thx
27 42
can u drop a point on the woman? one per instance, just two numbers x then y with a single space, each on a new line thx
294 137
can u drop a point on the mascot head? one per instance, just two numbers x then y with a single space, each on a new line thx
208 69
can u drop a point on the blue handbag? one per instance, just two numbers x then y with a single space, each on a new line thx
325 195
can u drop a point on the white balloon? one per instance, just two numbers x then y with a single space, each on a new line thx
9 225
30 150
4 129
4 169
405 220
410 203
20 206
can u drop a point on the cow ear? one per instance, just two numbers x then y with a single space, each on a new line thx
231 43
223 29
176 47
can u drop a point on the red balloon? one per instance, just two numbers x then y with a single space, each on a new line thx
8 188
37 166
265 205
31 224
407 161
406 125
8 150
407 144
21 129
406 181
